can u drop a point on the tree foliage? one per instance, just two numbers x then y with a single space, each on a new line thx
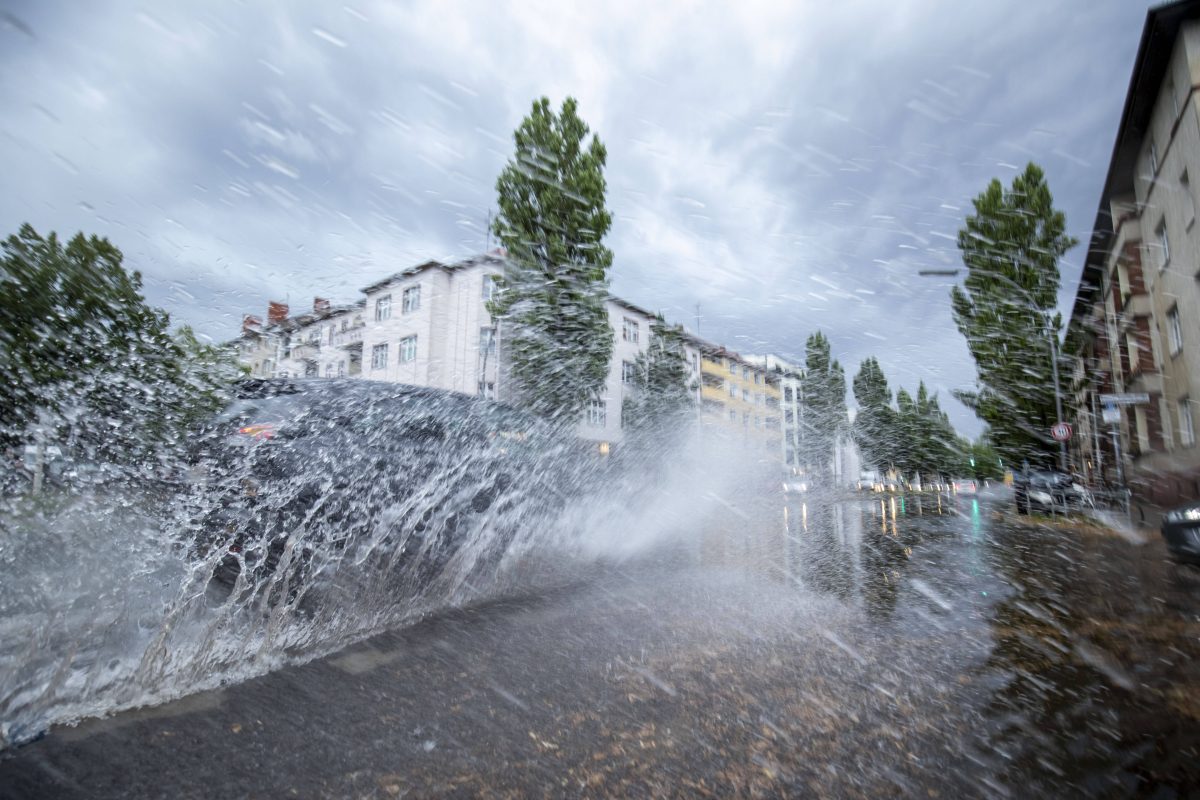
661 397
823 389
1011 247
874 426
915 437
87 363
552 221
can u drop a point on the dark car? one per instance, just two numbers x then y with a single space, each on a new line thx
296 478
1181 531
1049 492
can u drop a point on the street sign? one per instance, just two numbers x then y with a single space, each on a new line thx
1132 399
1111 415
1061 432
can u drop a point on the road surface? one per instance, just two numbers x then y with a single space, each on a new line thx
933 648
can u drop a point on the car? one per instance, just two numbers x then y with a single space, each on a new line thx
1049 492
964 486
1181 532
293 476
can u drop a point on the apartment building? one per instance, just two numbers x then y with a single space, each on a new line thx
428 325
1136 318
738 397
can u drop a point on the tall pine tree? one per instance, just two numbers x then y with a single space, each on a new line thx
1011 247
874 426
552 221
824 398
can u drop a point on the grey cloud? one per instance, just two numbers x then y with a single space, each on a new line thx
786 167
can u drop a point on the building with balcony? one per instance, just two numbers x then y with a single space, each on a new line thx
1135 324
429 325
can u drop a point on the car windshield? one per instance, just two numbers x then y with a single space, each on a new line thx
614 399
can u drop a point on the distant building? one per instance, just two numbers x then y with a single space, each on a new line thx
1136 318
428 325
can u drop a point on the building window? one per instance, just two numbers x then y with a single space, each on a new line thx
379 356
491 285
733 392
487 390
732 415
408 349
1164 244
345 324
746 395
787 394
746 418
1174 331
597 414
1153 159
383 308
1189 200
628 372
1187 433
341 369
487 340
629 330
1131 346
329 370
411 299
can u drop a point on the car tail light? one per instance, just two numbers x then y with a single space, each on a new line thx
259 430
235 548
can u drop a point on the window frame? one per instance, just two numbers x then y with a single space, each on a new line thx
410 299
407 343
629 330
1164 244
383 308
1174 332
1183 411
377 350
597 413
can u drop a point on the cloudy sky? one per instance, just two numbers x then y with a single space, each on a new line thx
783 167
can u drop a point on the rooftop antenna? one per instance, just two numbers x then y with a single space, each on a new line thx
697 319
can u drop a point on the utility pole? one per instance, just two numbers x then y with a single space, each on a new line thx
1058 408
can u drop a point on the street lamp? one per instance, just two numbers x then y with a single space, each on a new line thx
1058 407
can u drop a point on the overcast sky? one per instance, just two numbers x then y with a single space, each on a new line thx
786 167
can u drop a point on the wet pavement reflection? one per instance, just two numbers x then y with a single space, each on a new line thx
930 645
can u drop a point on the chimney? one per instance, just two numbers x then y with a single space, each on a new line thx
276 312
320 305
250 324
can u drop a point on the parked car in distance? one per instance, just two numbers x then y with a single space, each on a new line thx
1181 532
1049 492
964 486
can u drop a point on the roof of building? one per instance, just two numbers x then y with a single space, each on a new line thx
1149 68
484 258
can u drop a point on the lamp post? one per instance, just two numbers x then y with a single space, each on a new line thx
1045 319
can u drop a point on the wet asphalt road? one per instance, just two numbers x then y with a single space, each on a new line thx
931 648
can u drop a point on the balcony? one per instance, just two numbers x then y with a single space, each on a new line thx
1133 306
348 337
305 352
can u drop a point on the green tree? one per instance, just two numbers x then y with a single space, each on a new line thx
552 220
1011 247
661 397
87 363
823 389
874 426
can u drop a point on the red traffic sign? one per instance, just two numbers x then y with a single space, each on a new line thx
1061 431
